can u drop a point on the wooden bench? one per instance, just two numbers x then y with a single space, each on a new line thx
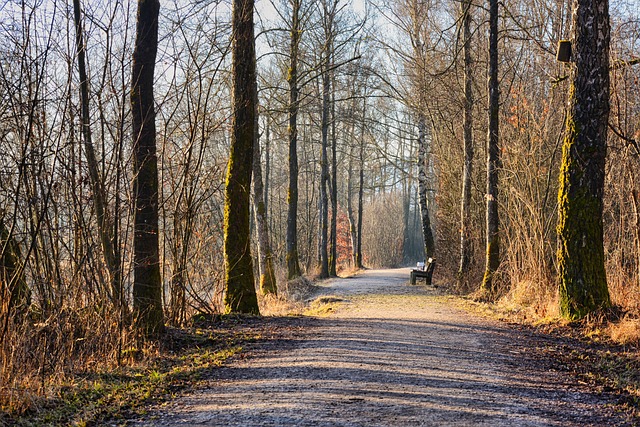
424 271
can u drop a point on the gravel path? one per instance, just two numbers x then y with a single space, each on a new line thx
392 355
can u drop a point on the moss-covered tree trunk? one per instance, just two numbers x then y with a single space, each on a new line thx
240 296
293 263
147 283
493 158
465 204
583 282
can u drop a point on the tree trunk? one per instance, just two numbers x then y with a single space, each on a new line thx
97 189
293 263
324 175
358 250
267 169
406 213
333 237
265 264
147 283
583 281
493 160
429 245
240 296
352 220
465 209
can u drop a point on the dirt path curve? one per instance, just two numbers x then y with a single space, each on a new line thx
393 355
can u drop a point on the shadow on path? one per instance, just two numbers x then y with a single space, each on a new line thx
396 358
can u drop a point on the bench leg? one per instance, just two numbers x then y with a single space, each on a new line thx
413 278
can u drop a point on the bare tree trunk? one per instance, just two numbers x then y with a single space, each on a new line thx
324 174
267 272
293 263
333 243
493 160
583 280
97 189
358 248
267 169
352 220
406 210
429 245
465 209
147 283
240 294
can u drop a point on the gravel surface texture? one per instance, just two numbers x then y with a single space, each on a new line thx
392 355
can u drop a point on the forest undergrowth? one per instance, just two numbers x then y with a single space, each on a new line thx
106 381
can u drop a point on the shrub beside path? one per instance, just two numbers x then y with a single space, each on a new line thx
393 355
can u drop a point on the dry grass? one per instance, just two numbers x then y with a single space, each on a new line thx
292 298
624 332
97 392
531 301
324 306
39 354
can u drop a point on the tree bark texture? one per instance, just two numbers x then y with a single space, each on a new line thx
423 187
293 263
324 174
465 208
240 296
582 276
493 157
333 230
358 247
97 188
147 283
352 220
265 258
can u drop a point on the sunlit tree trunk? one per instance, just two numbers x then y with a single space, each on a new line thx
293 263
147 283
265 258
465 210
493 159
267 168
358 247
350 215
324 175
423 188
333 229
583 281
240 296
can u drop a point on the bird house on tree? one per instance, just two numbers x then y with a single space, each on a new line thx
564 51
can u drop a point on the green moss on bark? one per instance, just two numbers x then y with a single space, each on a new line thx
240 296
582 276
